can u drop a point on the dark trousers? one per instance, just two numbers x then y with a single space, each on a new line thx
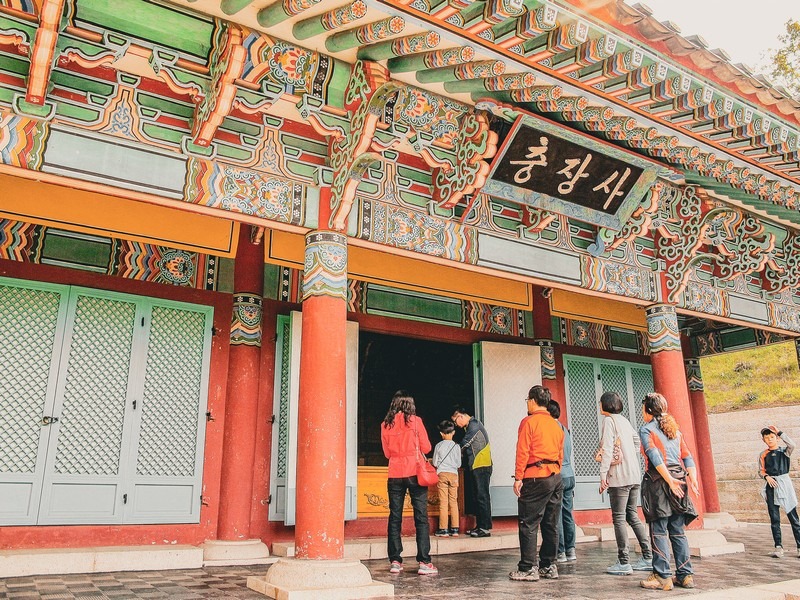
539 504
775 519
566 525
397 487
623 510
483 501
665 533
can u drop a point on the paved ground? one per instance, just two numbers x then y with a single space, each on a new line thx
481 575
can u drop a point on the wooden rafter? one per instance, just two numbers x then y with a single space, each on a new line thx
43 53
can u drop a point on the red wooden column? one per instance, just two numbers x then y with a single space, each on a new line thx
705 457
241 408
321 452
669 377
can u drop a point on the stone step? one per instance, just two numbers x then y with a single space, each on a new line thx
56 561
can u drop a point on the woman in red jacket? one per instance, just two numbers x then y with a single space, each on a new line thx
402 436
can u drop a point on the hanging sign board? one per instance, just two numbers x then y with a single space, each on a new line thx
547 166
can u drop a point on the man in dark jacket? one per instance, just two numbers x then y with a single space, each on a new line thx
479 460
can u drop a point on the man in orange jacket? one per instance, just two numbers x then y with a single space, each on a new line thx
538 485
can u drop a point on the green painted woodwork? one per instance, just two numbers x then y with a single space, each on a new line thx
163 134
416 307
77 113
302 170
8 23
415 199
555 325
166 106
231 7
232 152
422 177
187 32
12 64
74 82
304 144
624 340
76 251
7 95
740 338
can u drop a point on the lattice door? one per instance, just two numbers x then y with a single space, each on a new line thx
583 396
83 481
31 325
169 429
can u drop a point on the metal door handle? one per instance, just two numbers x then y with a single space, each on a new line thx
49 420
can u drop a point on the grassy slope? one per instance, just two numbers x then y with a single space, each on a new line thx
754 378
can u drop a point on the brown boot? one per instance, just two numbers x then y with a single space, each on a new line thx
654 582
686 582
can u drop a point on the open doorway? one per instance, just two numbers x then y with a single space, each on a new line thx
438 375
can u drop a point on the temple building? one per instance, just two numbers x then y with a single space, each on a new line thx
231 229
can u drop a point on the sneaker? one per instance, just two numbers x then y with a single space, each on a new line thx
562 557
777 553
654 582
550 572
453 532
571 556
530 575
395 567
441 533
427 569
643 564
686 582
478 532
619 569
798 553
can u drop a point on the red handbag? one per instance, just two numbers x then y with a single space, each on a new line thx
426 474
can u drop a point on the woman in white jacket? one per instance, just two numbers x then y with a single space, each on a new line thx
622 482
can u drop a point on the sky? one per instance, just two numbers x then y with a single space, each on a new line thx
746 30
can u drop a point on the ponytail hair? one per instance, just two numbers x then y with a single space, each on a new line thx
402 402
656 405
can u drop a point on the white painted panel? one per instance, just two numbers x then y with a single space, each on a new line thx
351 470
114 162
83 501
15 502
507 372
514 256
163 503
296 319
753 311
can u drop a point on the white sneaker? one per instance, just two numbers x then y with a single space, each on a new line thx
562 557
777 553
427 569
395 567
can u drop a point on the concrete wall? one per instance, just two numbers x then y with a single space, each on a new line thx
736 443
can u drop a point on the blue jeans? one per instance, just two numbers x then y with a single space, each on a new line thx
566 524
664 533
397 487
483 500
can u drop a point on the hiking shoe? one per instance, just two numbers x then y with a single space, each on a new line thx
777 553
550 572
395 567
530 575
427 569
571 556
453 532
619 569
442 533
686 581
643 564
654 582
478 532
562 557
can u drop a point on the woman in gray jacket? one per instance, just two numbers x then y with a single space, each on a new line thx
622 482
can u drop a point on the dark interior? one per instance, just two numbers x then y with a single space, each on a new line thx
438 376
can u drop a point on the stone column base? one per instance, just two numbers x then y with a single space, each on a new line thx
303 579
720 520
710 542
220 553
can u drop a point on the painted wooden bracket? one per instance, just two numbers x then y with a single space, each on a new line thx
44 51
227 63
